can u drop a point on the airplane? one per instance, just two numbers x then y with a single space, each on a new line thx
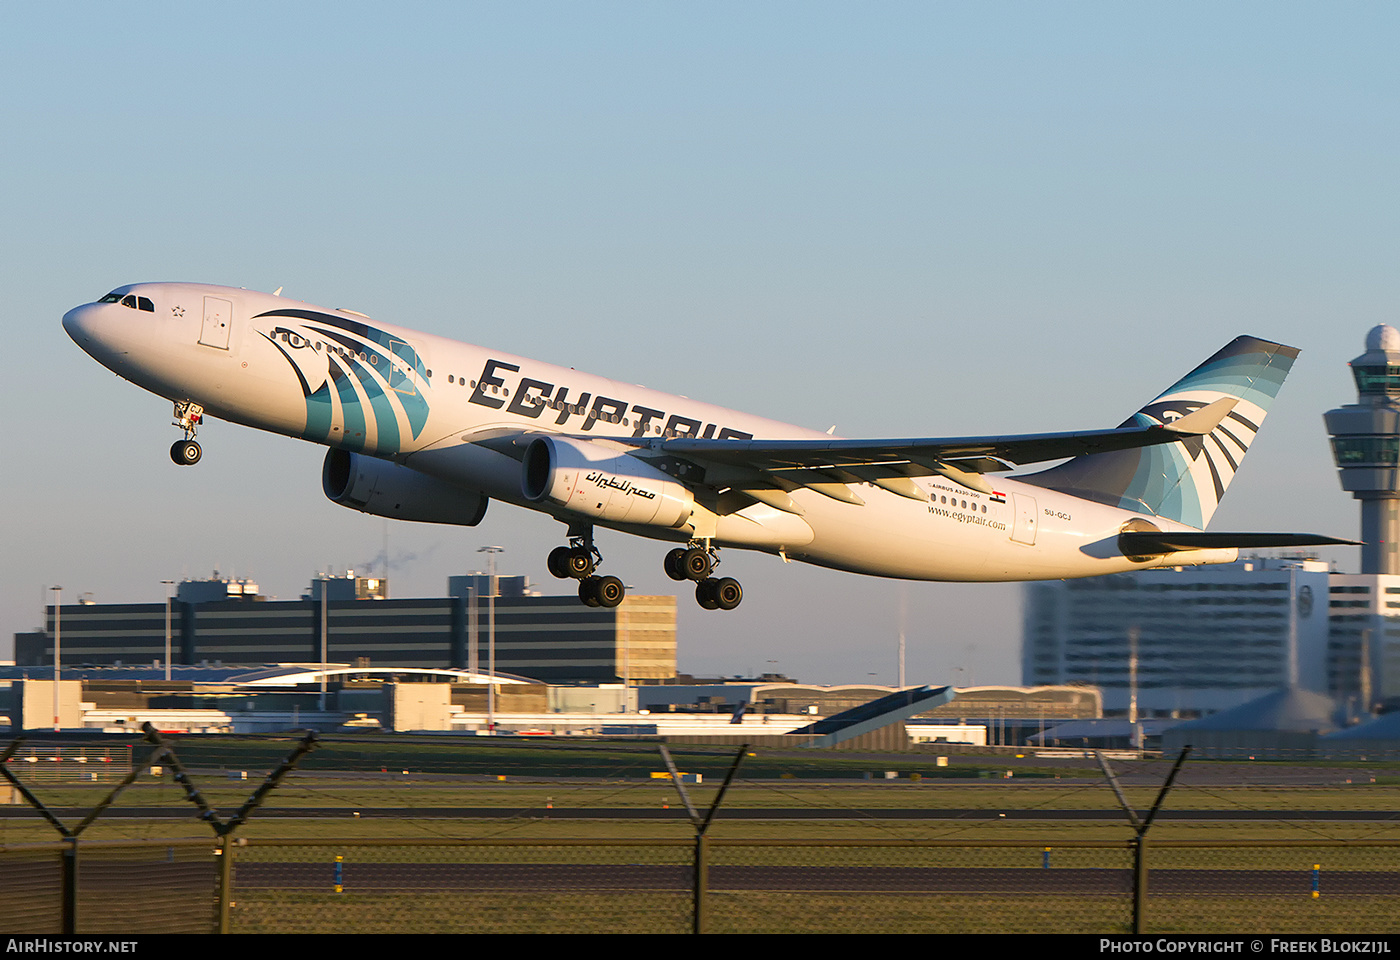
423 428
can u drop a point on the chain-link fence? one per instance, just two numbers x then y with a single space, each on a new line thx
609 838
746 886
166 886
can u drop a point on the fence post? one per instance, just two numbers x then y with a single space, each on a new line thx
701 910
225 880
70 887
701 866
1140 883
1140 827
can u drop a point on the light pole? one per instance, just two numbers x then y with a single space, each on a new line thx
473 625
168 585
903 619
57 647
491 635
624 626
321 702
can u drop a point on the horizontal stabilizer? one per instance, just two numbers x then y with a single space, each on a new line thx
1146 543
1204 420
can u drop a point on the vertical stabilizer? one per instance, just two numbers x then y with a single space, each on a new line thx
1184 481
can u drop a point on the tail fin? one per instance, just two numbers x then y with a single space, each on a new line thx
1184 481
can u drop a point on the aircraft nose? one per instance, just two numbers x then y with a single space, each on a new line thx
76 322
91 328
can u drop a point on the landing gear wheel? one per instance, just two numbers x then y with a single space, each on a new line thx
705 595
719 594
696 564
185 452
580 562
587 591
608 590
674 564
727 593
558 563
601 591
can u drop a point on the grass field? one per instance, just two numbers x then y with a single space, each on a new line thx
800 913
426 781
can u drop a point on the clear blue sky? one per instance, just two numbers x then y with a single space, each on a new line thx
902 219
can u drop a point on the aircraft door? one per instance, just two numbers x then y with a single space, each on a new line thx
403 367
218 323
1023 527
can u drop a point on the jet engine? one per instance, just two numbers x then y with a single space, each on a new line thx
387 489
603 483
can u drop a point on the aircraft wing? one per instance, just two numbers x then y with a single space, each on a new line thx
827 466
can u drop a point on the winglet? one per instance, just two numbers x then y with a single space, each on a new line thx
1200 422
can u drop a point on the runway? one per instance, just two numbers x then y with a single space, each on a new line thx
573 877
20 812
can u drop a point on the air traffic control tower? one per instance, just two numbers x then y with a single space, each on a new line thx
1366 445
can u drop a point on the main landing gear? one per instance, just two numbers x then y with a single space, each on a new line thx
188 416
581 558
578 560
697 563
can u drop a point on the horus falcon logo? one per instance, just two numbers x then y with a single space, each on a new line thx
364 388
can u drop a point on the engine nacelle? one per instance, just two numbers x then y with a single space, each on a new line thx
604 483
387 489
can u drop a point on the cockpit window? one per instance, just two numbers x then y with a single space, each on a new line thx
130 300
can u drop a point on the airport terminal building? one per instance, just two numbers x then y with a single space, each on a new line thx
550 639
1211 638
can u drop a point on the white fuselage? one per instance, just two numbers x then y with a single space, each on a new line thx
427 402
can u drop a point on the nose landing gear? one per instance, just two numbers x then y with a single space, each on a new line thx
188 416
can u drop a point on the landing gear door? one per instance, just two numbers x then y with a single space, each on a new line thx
218 323
1023 528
